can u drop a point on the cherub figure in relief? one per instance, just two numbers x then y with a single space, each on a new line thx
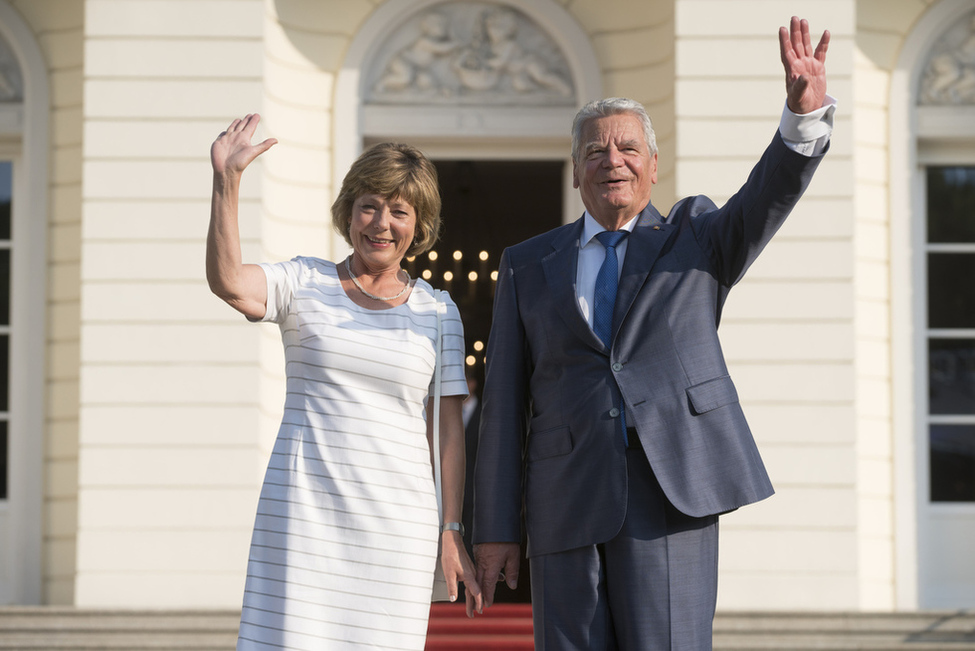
413 66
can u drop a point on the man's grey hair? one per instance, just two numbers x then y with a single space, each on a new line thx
601 108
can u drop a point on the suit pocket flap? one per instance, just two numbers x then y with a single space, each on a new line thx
549 443
712 394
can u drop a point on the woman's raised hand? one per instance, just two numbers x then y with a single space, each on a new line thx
242 286
232 151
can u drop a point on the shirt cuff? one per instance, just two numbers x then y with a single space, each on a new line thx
808 133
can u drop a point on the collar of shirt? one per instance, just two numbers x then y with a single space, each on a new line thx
591 255
591 228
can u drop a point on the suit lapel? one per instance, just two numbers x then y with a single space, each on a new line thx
642 248
560 267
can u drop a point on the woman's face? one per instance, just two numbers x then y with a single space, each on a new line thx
382 230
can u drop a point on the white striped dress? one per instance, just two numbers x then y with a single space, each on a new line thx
345 540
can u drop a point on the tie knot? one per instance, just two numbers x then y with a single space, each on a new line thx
610 239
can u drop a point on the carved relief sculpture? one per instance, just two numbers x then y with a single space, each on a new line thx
414 65
949 77
471 53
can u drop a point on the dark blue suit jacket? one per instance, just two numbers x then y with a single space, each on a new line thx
548 434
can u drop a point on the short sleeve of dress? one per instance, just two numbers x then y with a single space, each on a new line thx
282 283
453 378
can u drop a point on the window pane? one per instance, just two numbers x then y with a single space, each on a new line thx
4 286
3 460
951 290
951 364
4 371
953 463
951 204
4 220
6 187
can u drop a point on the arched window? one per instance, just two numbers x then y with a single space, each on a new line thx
933 306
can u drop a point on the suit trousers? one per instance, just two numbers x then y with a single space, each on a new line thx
652 587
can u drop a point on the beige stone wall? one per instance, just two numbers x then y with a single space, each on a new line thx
169 459
57 26
788 328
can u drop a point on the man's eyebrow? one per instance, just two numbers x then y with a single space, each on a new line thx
628 143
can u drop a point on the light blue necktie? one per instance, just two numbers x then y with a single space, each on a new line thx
604 299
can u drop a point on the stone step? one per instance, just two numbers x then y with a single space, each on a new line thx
74 629
925 631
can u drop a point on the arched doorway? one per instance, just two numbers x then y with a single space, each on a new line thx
488 91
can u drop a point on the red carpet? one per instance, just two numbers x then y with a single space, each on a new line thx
502 626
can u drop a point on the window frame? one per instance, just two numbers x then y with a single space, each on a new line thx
916 136
25 139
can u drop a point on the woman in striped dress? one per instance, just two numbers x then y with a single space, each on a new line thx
346 536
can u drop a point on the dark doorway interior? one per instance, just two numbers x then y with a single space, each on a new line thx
487 206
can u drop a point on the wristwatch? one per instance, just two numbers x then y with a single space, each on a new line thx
453 526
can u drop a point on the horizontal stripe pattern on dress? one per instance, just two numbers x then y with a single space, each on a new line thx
345 539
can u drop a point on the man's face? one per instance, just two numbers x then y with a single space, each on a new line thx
616 171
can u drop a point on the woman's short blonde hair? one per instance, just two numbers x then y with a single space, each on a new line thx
393 170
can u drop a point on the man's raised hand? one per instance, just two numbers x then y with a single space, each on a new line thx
805 68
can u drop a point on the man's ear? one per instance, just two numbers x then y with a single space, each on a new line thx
575 176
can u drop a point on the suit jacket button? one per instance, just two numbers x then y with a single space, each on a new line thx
617 367
614 412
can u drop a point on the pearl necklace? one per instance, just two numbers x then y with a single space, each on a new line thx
348 267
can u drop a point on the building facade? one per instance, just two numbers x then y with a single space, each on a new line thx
138 410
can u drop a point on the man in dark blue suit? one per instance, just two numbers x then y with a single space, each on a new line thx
608 410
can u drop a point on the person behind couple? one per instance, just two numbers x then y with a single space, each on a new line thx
346 536
608 411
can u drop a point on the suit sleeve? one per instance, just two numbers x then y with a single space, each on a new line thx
499 471
735 234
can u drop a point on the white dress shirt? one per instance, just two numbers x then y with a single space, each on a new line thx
806 134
